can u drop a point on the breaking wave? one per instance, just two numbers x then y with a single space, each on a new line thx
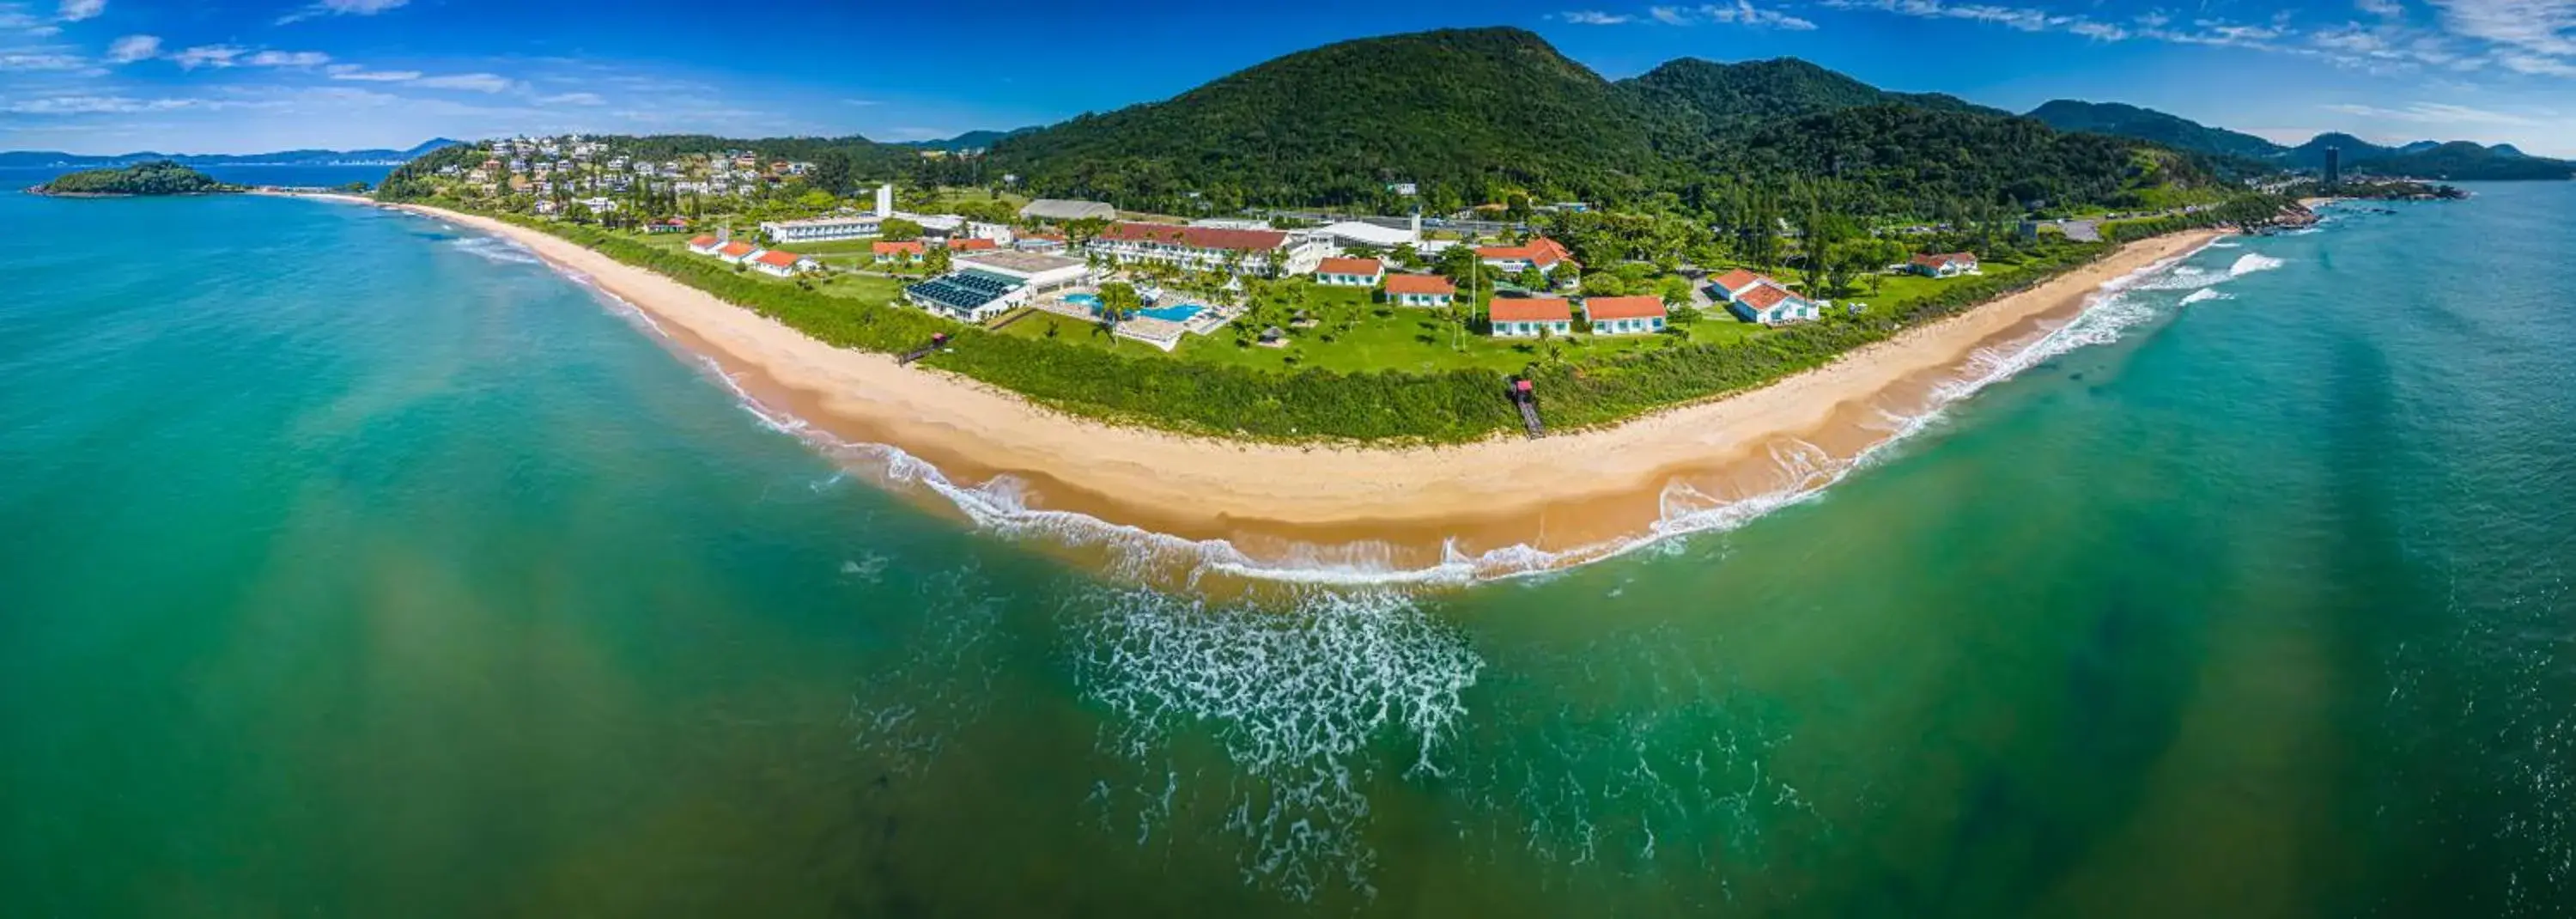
496 249
1296 700
2202 295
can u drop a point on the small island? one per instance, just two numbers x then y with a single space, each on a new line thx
159 177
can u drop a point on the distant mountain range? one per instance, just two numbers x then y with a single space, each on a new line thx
45 158
971 140
2455 160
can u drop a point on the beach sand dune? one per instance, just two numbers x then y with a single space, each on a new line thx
1580 494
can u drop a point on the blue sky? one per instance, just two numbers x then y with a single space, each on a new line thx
101 76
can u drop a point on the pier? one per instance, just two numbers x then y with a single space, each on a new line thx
1525 395
937 342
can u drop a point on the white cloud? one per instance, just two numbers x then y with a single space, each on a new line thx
1594 18
1741 12
2438 113
28 61
2538 27
92 105
355 72
2385 9
133 48
2536 65
289 59
341 8
476 82
206 56
573 99
77 10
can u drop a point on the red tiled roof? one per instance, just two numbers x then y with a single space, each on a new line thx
780 259
1638 307
702 241
1419 284
971 244
1196 237
739 250
1528 309
1936 260
907 247
1766 296
1350 266
1541 251
1737 280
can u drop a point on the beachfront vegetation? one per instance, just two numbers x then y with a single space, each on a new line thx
159 177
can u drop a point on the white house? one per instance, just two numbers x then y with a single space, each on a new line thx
1423 290
1755 298
705 245
1638 315
1528 317
780 264
1209 248
1541 253
1944 265
1350 272
820 229
733 253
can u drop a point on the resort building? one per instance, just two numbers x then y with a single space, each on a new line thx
704 245
1059 210
1374 235
968 296
1756 298
1350 272
1541 253
1528 317
734 252
1423 290
776 263
1234 252
1638 315
822 229
971 244
1943 265
907 251
1035 272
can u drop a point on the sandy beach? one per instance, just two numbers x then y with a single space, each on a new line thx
1568 496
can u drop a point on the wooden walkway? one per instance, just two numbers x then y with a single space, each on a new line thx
1522 395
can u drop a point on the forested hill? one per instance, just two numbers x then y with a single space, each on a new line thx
2148 124
161 177
1706 98
2461 160
1487 115
1468 113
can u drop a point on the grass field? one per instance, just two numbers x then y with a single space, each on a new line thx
1379 338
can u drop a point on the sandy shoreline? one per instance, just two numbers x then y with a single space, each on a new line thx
1580 494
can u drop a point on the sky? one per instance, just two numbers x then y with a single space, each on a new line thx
217 76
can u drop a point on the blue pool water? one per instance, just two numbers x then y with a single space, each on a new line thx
1181 313
1088 300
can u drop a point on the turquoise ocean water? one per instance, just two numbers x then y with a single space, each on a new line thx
353 565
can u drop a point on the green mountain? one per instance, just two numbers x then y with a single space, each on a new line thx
2150 125
1908 157
971 140
159 177
2461 160
1466 113
1705 98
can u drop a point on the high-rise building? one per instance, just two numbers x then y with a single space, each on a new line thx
2334 165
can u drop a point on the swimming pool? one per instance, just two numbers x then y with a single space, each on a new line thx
1087 301
1181 313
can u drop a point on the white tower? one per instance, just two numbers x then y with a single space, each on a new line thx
885 200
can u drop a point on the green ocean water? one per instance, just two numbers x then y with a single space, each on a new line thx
352 565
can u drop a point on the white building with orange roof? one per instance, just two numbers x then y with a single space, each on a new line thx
705 245
1529 317
780 264
1944 264
1350 272
1634 315
1430 291
733 253
1542 253
1758 298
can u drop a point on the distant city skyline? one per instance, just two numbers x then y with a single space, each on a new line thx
111 76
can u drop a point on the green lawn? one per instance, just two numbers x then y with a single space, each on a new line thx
863 288
1381 338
